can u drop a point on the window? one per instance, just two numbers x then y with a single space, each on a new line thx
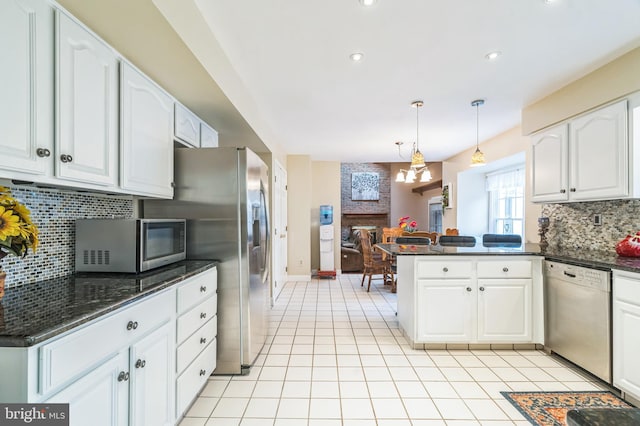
506 201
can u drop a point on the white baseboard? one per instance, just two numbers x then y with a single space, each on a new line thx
298 278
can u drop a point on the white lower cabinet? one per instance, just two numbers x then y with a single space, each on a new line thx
197 328
504 310
626 332
152 381
99 398
445 312
465 299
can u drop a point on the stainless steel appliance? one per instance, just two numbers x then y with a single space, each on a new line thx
223 193
128 245
578 316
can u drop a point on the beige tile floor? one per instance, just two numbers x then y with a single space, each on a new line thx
335 356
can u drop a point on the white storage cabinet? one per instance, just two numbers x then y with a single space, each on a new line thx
87 105
626 332
146 145
590 157
197 328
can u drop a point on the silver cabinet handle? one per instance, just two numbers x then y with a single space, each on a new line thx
505 269
572 190
66 158
203 315
481 289
203 372
140 363
43 152
563 191
123 377
203 288
203 340
445 269
468 288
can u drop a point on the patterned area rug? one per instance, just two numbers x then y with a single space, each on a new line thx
550 408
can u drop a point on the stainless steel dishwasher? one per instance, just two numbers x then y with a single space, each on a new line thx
578 316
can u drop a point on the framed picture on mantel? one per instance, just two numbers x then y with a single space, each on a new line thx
447 195
365 186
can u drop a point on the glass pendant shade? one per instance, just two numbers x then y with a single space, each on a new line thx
400 177
426 175
411 176
477 159
417 160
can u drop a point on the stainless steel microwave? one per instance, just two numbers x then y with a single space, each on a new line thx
128 245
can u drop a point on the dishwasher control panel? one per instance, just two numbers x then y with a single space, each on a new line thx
580 275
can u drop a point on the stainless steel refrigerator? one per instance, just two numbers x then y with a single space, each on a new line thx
223 194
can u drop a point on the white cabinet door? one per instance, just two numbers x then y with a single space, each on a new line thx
504 310
599 154
549 165
446 310
87 108
153 379
146 150
100 398
26 84
208 136
187 126
626 333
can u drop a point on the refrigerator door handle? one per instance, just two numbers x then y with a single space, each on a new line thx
267 236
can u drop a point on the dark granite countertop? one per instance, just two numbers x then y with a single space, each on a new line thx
589 258
32 313
478 249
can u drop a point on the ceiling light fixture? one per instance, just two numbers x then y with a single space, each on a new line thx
477 159
356 57
492 56
367 3
418 165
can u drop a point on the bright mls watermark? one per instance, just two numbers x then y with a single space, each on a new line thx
34 414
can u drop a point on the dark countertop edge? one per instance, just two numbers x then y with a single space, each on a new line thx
32 340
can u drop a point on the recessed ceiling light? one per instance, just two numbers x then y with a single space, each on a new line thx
356 57
549 1
367 3
492 56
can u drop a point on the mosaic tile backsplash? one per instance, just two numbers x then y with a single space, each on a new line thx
54 213
571 225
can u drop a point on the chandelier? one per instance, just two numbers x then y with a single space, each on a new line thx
418 166
477 159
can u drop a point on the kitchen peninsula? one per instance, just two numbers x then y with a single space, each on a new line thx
477 296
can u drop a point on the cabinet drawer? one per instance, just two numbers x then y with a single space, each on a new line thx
191 381
192 347
194 319
73 354
197 289
444 269
504 269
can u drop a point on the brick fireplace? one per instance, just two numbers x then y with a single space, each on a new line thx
369 213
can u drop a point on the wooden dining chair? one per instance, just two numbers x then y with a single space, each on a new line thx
433 236
374 264
451 231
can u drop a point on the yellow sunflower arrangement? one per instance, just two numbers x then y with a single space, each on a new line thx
17 233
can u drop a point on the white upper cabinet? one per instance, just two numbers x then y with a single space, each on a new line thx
208 136
26 84
146 145
586 158
599 150
87 107
187 126
550 164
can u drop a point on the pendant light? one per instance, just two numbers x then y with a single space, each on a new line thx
418 165
477 159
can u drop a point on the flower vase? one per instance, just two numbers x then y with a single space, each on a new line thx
3 275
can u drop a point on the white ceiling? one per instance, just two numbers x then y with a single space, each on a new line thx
292 56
